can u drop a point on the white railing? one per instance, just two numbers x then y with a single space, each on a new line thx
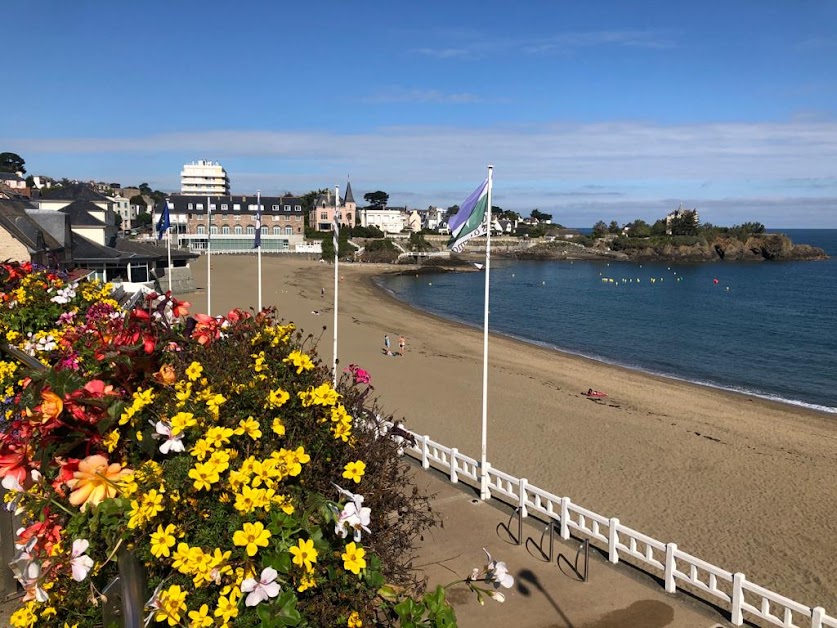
719 586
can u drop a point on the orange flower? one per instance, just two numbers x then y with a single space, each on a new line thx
166 374
51 405
95 481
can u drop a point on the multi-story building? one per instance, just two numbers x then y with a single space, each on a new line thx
387 219
321 216
204 177
231 221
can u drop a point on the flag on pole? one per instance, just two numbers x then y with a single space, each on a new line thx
469 221
165 221
335 228
257 242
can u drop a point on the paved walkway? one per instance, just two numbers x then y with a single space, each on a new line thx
546 593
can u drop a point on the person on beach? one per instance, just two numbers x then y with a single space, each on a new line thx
322 292
386 342
402 342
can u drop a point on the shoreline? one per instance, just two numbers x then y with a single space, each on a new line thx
741 482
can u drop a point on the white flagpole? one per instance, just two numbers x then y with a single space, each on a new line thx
168 246
208 258
259 248
484 492
335 234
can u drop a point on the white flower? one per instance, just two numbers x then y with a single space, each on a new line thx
496 573
262 589
80 562
64 295
28 572
173 443
497 596
354 515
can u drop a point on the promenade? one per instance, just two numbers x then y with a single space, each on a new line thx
545 593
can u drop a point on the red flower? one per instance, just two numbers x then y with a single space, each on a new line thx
14 465
179 308
206 329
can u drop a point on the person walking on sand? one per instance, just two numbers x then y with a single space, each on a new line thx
386 342
402 342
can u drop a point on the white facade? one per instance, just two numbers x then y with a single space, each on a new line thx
387 220
123 208
204 177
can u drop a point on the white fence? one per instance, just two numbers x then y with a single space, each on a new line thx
725 589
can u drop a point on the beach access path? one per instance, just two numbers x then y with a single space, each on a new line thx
737 481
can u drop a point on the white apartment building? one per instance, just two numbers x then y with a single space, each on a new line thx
204 177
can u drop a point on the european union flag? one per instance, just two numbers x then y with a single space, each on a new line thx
165 221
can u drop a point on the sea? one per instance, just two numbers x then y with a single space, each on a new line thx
766 329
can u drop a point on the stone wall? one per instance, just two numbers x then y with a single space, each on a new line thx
181 279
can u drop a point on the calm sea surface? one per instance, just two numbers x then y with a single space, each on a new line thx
767 329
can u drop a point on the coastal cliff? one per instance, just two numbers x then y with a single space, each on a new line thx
760 247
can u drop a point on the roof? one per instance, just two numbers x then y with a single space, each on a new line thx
74 192
151 251
85 250
79 213
349 198
10 176
24 228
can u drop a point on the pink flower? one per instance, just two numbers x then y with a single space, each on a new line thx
262 589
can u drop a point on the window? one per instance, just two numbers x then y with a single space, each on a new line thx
225 230
199 206
189 216
323 215
213 230
298 208
287 208
212 207
201 230
264 230
298 218
190 206
224 207
251 230
238 230
277 230
236 207
277 218
349 218
236 218
251 207
276 208
289 230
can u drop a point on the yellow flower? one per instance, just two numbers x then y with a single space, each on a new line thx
201 449
25 616
354 470
304 554
204 474
251 537
354 620
306 582
323 395
194 371
218 436
300 360
278 427
227 609
110 441
95 481
251 427
181 421
200 618
353 558
170 603
277 398
162 540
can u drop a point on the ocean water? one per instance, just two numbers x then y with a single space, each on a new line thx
767 329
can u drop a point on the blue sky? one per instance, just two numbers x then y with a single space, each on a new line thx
606 110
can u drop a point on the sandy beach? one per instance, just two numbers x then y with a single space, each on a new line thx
743 483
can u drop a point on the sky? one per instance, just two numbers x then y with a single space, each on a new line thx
601 110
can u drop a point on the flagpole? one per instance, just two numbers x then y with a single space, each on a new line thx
335 229
484 492
208 257
259 240
168 246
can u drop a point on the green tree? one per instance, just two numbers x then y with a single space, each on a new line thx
309 197
144 218
599 229
639 229
419 244
30 181
685 223
541 216
376 200
613 227
144 188
659 228
137 199
12 162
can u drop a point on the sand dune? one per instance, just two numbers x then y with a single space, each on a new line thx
743 483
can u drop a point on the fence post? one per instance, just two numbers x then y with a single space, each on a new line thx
565 518
671 584
736 614
8 583
485 492
454 476
817 614
612 539
425 461
521 501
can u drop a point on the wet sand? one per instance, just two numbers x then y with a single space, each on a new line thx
743 483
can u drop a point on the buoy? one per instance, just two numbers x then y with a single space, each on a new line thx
715 281
429 283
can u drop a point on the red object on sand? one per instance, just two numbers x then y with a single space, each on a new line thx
595 394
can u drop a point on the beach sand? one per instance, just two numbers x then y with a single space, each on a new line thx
740 482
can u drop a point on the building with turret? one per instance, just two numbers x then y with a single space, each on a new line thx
321 216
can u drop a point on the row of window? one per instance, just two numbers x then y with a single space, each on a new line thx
237 207
238 230
286 218
324 216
